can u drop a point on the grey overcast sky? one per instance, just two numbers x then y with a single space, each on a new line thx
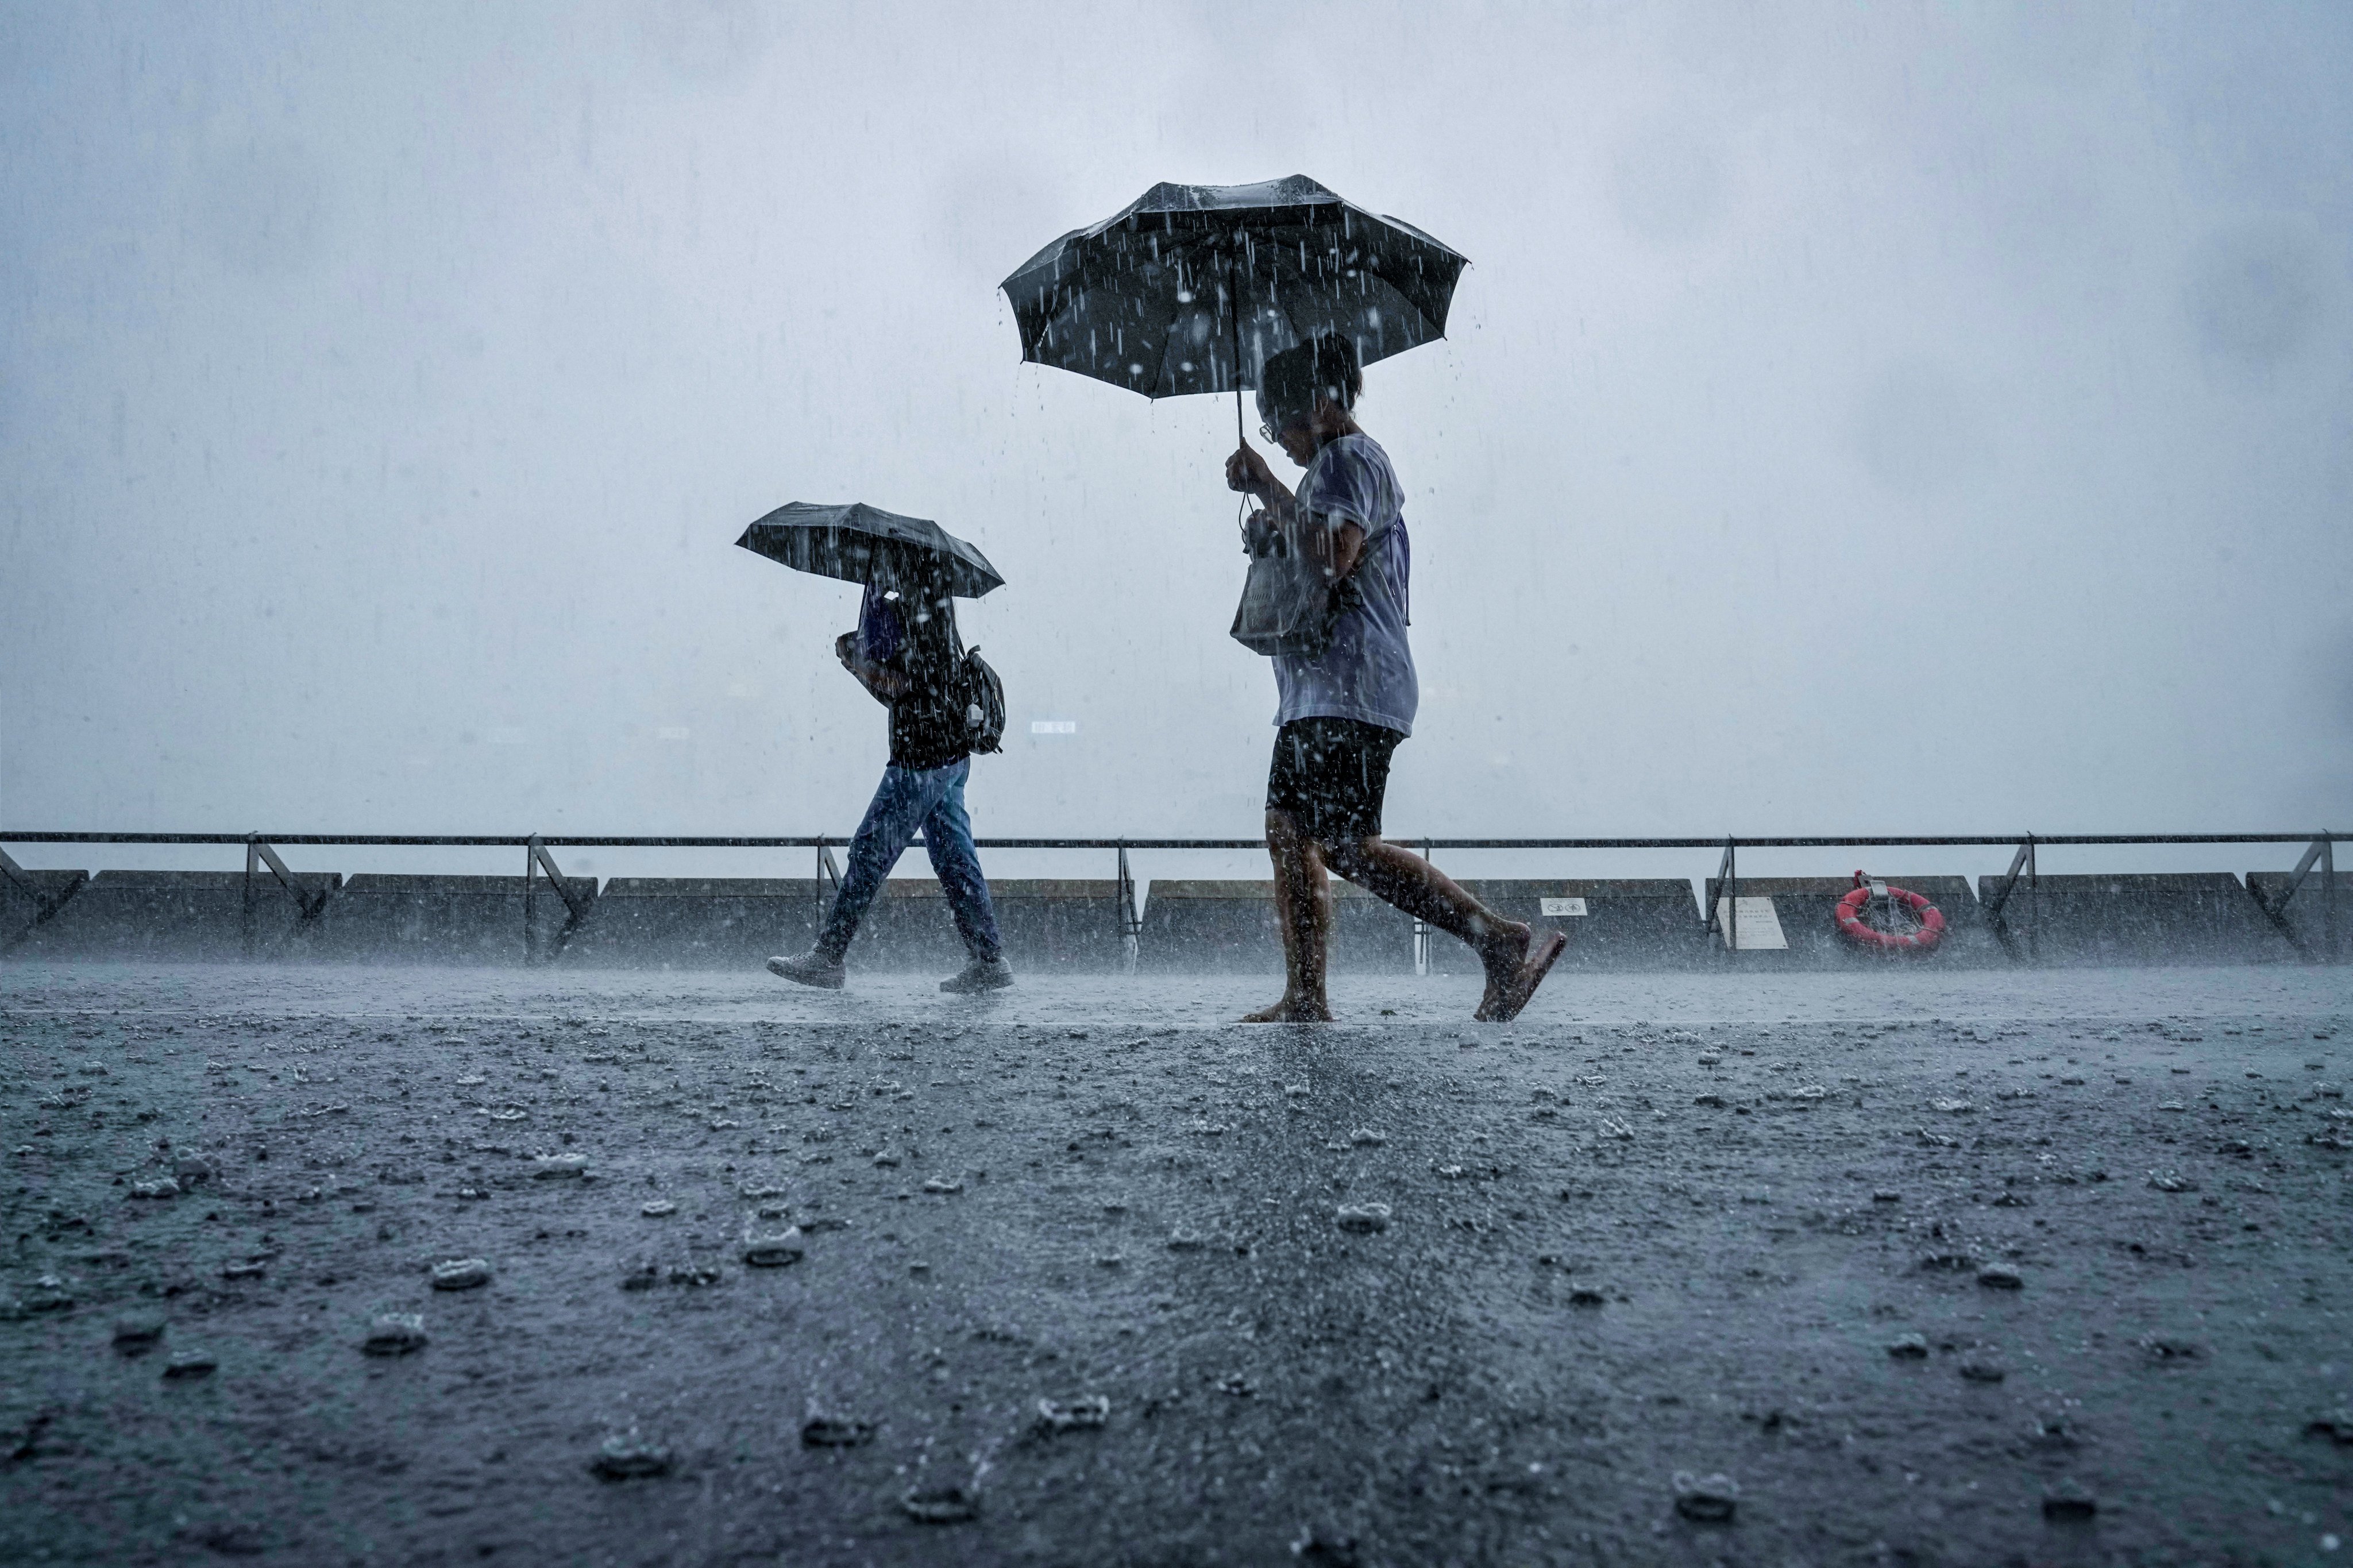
1856 418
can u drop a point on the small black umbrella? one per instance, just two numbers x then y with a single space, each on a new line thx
1191 287
859 543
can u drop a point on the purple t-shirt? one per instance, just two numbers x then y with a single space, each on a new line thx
1367 672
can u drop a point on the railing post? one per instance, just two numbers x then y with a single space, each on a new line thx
1724 909
2021 862
1131 924
2033 900
2321 853
1732 893
535 859
1421 928
244 917
2328 891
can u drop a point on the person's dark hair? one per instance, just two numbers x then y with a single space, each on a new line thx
1290 382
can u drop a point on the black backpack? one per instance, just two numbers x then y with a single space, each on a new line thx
981 695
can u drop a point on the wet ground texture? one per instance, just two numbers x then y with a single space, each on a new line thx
328 1266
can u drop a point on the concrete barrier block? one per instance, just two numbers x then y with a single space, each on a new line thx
1059 923
1228 927
2170 918
1610 923
2304 917
1047 924
463 920
1805 911
1369 935
21 911
1210 926
694 922
908 926
198 917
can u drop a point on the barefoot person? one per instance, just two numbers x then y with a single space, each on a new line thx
904 653
1342 712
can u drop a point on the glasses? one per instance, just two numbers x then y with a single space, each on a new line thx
1274 432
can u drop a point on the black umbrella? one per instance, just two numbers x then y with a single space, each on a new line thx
859 543
1191 287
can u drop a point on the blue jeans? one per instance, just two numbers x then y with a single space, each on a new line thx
907 799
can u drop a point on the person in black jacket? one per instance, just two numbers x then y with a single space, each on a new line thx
905 653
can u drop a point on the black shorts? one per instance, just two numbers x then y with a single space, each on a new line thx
1330 776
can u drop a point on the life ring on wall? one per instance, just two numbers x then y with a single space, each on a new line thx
1850 922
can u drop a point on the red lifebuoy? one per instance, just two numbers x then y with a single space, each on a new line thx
1851 923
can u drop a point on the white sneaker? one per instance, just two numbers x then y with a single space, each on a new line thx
980 974
811 968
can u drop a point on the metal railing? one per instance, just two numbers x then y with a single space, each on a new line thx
1722 916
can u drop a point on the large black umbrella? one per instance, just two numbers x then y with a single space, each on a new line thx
1191 287
859 543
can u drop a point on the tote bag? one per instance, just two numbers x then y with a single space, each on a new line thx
1289 605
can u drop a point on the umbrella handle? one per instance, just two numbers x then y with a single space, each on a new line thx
1234 313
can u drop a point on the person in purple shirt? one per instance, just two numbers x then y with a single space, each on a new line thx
1342 712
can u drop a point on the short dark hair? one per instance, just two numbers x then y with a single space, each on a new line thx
1290 382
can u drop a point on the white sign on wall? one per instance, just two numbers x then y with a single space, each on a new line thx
1750 926
1564 905
1053 726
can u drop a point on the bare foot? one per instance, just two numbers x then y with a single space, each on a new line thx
1534 966
1502 958
1290 1010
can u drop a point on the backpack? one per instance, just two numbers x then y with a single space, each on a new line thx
981 695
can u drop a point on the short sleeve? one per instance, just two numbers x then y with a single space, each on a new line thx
1345 489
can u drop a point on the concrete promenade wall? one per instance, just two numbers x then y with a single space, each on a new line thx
175 916
464 921
2176 917
1057 925
1610 923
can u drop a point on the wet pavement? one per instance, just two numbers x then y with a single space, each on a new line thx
328 1266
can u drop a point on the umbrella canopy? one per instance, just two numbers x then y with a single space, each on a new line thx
1191 287
859 543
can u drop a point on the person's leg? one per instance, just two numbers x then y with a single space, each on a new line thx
1513 955
1354 780
1401 877
1303 912
900 805
948 837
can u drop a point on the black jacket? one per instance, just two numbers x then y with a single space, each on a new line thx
927 727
